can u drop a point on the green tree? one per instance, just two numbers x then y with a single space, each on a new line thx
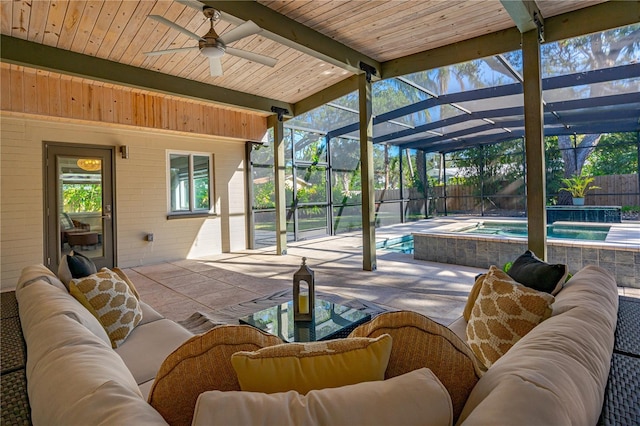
595 51
488 167
80 197
554 169
264 195
617 153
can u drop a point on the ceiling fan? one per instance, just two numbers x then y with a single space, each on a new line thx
211 44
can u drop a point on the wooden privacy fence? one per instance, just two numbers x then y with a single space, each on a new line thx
615 190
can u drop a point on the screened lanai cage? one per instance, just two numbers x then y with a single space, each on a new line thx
451 141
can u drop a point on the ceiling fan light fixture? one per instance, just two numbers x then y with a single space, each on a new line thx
212 52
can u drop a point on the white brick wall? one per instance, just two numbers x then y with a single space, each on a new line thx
140 194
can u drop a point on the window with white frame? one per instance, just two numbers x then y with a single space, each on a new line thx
190 183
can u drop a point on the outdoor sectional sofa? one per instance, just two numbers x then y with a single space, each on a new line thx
555 374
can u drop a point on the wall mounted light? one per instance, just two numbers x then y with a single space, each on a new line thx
124 151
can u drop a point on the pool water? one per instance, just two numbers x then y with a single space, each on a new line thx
404 244
560 231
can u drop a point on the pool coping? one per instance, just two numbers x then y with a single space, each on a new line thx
617 238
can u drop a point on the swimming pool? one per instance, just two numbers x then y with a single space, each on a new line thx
562 231
557 230
447 243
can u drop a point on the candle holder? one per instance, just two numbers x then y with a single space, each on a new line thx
304 295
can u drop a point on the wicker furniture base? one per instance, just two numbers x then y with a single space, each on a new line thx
627 330
14 402
622 398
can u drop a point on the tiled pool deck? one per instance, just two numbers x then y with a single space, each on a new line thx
619 253
178 289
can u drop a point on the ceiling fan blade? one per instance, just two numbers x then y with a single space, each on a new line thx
251 56
242 31
177 50
175 26
230 18
215 67
194 4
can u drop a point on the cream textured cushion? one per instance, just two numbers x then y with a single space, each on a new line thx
110 300
156 340
34 273
415 398
503 313
200 364
317 365
420 342
39 302
74 378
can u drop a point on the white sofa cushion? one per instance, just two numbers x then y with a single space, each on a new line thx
39 301
148 314
33 273
148 345
72 376
414 398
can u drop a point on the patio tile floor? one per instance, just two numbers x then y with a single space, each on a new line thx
178 289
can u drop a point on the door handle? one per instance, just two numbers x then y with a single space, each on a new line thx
106 216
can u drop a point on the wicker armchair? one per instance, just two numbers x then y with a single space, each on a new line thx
68 226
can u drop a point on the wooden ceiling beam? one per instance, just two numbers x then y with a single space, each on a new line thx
327 95
601 17
292 34
34 55
463 51
524 13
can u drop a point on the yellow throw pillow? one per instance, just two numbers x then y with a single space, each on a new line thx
317 365
109 299
473 295
126 279
503 313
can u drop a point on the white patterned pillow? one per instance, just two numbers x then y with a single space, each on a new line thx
110 300
502 314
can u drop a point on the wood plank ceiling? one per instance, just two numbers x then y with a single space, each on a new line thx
384 31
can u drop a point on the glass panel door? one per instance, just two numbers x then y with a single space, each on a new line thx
79 198
80 205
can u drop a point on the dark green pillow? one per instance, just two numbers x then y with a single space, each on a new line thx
532 272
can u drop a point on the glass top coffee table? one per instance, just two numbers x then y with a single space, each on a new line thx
331 321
